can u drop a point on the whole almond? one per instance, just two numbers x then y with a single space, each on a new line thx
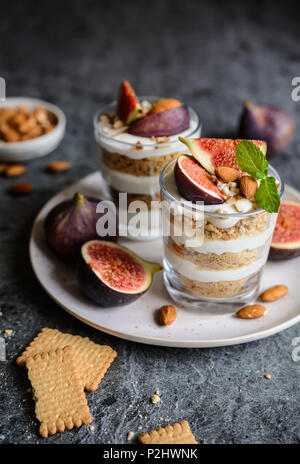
167 315
251 312
227 174
248 186
58 166
21 188
15 170
274 293
3 167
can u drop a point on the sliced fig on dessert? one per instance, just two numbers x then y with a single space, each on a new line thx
212 153
286 238
164 123
112 275
271 124
128 106
194 183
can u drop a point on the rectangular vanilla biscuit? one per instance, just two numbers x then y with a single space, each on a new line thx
93 360
176 434
60 401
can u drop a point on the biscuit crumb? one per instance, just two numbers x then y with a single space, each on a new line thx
155 399
92 428
267 376
130 436
8 332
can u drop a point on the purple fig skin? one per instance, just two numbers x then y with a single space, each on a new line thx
71 223
165 123
190 192
98 291
268 123
283 254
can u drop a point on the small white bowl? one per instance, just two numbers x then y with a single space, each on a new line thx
39 146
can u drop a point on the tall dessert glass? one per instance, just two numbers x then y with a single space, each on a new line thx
211 257
132 164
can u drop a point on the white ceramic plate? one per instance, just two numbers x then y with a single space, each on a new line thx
136 321
39 146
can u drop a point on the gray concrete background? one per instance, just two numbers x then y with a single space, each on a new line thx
213 57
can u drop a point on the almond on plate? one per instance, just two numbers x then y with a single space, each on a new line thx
251 312
274 293
167 315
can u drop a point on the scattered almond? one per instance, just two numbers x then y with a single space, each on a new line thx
274 293
164 104
15 170
248 186
167 315
227 174
267 376
251 312
3 167
58 166
21 188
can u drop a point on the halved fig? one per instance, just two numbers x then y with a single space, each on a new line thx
212 153
112 275
164 123
286 238
128 106
194 183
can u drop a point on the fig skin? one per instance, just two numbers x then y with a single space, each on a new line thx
164 123
71 223
191 192
268 123
102 294
283 254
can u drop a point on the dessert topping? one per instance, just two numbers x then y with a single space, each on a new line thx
248 186
250 159
227 174
164 104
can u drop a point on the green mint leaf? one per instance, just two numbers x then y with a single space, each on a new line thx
267 195
259 175
250 158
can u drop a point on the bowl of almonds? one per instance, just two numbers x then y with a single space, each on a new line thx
29 128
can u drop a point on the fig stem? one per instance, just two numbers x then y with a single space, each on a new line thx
78 199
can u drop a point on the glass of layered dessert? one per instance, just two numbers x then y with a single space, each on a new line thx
216 235
137 137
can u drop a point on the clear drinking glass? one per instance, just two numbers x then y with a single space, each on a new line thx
132 165
210 257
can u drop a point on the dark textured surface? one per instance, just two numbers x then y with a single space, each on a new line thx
213 58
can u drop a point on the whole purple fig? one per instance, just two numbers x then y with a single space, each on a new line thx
73 222
268 123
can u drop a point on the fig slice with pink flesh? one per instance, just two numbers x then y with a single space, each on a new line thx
194 183
286 238
113 275
212 153
164 123
128 106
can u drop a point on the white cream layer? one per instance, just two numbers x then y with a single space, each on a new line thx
124 143
191 271
128 183
225 246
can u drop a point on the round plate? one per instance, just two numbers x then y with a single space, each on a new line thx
217 327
